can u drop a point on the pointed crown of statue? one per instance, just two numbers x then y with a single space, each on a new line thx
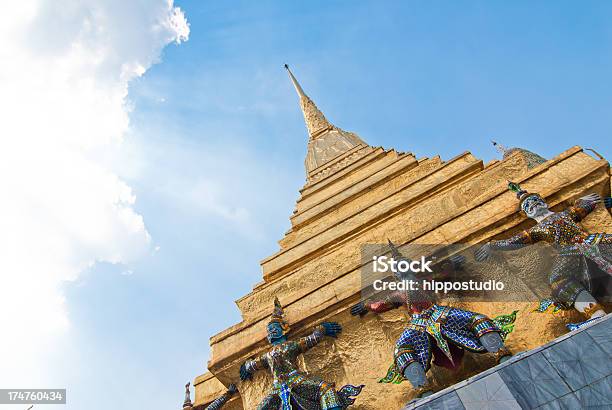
278 316
414 296
395 252
521 194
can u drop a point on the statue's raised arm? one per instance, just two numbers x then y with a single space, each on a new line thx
251 366
331 329
391 301
583 206
219 402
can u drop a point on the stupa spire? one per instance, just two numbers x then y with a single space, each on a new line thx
316 123
326 141
296 84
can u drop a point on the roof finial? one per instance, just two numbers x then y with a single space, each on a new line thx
499 147
315 120
297 86
187 403
532 159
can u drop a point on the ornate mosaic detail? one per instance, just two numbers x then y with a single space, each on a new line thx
315 120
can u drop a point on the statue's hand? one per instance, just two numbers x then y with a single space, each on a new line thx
482 253
592 198
457 261
331 328
359 309
608 202
244 373
232 389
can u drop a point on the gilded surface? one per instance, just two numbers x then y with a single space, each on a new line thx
451 206
368 154
329 145
438 219
335 166
358 197
416 194
379 162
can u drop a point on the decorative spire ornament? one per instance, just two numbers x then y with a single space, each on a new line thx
187 403
326 141
501 149
532 159
314 118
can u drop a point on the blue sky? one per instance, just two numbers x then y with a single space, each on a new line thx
215 150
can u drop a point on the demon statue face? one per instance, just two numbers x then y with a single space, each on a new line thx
534 206
277 328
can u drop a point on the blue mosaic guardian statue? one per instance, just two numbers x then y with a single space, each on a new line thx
578 253
293 389
437 332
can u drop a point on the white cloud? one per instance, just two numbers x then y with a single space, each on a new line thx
64 76
216 199
199 180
